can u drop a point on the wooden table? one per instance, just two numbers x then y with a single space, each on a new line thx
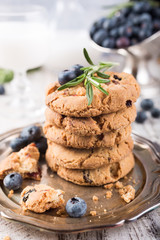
146 228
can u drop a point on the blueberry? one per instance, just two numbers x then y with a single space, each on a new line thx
143 34
108 43
119 20
100 22
156 24
156 12
31 133
125 11
147 104
99 36
141 7
105 25
128 32
145 17
136 31
155 112
17 143
146 25
13 181
122 42
121 30
93 29
136 20
76 207
113 22
76 68
141 117
114 32
41 144
130 18
2 90
134 41
66 76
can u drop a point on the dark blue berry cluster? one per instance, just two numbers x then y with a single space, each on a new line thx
147 105
127 27
28 135
68 75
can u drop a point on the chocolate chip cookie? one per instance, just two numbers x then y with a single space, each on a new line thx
87 158
123 92
109 139
96 177
92 125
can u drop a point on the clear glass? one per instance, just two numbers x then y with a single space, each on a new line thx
23 45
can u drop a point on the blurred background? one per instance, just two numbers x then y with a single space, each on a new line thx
39 39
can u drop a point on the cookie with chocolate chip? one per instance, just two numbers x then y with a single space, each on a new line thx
96 177
123 91
92 125
86 158
109 139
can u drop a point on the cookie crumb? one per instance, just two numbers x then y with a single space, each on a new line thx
118 185
134 181
108 194
6 238
125 177
10 194
93 213
51 175
95 198
108 186
127 193
105 210
61 211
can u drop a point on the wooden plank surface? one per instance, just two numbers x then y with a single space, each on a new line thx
146 228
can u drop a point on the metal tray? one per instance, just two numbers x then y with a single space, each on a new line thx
146 174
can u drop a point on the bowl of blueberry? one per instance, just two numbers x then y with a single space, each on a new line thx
132 30
129 25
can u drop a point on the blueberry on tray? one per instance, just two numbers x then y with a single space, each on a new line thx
76 207
13 181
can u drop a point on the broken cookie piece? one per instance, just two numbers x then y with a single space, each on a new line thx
127 193
40 198
24 162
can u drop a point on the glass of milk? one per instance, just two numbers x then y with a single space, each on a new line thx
24 44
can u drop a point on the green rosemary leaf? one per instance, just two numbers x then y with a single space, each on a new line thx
71 84
103 90
95 83
87 56
108 64
89 93
100 80
103 75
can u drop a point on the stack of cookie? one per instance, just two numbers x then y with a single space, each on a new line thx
91 145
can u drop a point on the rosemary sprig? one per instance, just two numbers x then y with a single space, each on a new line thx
92 75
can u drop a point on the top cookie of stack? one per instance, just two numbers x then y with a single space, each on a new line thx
123 91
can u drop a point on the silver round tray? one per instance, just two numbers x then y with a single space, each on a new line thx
145 178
